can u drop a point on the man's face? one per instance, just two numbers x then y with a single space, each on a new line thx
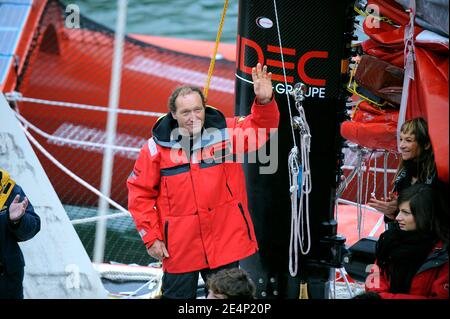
190 113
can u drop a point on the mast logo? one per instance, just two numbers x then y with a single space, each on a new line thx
264 22
294 65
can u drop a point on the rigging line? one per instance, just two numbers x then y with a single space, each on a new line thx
358 192
245 80
284 70
13 97
69 172
377 226
306 182
299 189
348 202
377 170
374 190
293 181
63 140
216 47
367 164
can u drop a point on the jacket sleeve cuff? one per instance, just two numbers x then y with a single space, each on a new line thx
14 224
256 101
150 238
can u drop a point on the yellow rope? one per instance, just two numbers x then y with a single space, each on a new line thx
213 59
366 13
359 11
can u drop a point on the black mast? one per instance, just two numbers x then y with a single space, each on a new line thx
316 37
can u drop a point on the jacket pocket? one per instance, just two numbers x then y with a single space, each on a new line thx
180 194
245 219
183 241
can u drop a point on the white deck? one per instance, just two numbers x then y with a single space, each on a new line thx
57 265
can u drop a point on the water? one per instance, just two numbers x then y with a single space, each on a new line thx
192 19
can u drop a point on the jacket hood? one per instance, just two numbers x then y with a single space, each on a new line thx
437 258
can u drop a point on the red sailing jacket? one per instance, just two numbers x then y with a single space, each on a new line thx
197 205
430 281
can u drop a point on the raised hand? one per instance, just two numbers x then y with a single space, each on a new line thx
262 84
17 209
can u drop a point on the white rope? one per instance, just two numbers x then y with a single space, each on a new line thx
242 79
17 97
300 211
377 226
70 141
367 189
372 169
97 218
347 284
344 184
284 70
71 174
152 281
294 170
348 202
124 276
380 219
306 190
359 182
374 190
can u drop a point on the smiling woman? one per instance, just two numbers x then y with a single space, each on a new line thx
416 165
412 261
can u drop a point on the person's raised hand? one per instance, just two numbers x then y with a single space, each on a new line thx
17 209
262 84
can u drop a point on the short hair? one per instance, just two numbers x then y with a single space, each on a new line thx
234 283
184 90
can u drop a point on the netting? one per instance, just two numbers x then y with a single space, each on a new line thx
74 65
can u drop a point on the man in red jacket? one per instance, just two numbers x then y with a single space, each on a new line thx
187 192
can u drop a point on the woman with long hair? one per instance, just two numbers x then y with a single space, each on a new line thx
412 260
416 165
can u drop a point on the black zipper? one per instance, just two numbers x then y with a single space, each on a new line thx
245 219
229 190
166 234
